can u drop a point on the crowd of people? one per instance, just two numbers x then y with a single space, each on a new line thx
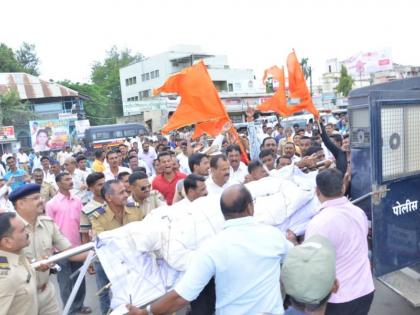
52 202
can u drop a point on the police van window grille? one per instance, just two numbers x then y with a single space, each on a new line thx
359 121
393 142
400 141
412 120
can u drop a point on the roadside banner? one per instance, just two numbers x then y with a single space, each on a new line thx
49 135
7 133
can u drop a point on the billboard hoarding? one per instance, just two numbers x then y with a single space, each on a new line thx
49 135
369 62
81 126
7 133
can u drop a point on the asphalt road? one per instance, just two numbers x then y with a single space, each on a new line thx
386 301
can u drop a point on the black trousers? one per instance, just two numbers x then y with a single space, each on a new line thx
359 306
205 303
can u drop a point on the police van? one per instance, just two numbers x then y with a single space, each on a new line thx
385 163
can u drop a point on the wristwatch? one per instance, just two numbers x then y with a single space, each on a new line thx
149 309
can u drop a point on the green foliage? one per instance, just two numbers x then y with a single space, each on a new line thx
13 111
106 74
104 103
97 107
305 68
8 61
346 82
26 56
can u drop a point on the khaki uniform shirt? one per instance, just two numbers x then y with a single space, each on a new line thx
18 295
103 219
47 191
44 237
155 200
87 212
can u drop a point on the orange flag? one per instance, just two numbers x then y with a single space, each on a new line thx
275 73
200 102
298 87
278 102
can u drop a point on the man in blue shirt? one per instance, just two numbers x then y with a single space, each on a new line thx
244 259
17 173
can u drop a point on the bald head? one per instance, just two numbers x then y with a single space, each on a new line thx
236 201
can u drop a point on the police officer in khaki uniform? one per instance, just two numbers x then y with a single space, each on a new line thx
141 196
95 181
17 279
47 190
44 237
114 214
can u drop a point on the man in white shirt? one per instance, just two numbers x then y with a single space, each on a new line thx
148 154
48 176
63 155
114 168
219 178
183 158
81 173
22 159
238 169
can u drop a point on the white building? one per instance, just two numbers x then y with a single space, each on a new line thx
139 79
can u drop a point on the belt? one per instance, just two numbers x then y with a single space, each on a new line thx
42 288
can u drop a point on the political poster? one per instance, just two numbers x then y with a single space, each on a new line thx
81 126
49 135
7 133
369 62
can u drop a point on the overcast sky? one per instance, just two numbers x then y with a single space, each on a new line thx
70 35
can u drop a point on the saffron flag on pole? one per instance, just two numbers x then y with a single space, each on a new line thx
274 71
200 103
298 87
278 102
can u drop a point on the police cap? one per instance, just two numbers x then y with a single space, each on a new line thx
24 191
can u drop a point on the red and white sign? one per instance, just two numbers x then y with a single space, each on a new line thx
369 62
7 133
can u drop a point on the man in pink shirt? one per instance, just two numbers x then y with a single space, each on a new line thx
346 226
65 210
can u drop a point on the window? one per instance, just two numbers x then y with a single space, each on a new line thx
230 87
101 136
329 68
156 73
130 133
130 81
118 134
152 75
147 76
143 77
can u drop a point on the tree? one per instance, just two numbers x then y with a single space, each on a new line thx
346 82
8 61
13 111
96 107
26 56
106 75
307 71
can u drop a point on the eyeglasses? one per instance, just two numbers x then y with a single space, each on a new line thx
147 187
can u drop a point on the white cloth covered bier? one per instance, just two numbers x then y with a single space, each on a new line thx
144 259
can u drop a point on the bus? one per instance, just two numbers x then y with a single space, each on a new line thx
112 135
